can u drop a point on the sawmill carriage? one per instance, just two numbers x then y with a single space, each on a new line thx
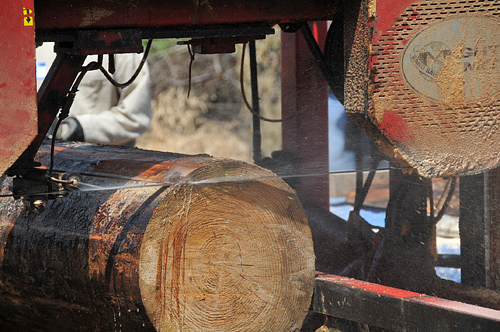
105 238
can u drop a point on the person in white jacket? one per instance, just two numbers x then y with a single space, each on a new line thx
102 113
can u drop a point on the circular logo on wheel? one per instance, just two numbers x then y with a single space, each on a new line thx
455 61
428 59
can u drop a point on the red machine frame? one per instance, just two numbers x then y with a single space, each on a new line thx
120 26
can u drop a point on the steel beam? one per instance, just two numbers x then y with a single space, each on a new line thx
397 309
304 100
61 15
51 97
17 80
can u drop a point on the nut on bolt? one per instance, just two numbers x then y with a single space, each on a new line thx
71 181
36 204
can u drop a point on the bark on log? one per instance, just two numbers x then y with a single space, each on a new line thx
201 255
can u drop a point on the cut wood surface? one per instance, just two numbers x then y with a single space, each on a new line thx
227 247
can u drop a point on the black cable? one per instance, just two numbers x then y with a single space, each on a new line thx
358 160
362 192
334 54
138 70
74 89
451 190
319 57
191 55
63 114
52 146
250 108
430 196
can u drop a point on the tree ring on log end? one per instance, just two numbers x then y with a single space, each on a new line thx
228 249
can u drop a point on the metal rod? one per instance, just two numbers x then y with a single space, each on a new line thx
51 97
257 137
472 225
318 56
445 260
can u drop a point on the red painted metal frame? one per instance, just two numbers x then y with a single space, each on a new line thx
17 80
51 97
303 89
306 134
397 309
62 17
387 14
95 14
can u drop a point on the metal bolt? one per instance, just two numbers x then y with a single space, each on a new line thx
38 203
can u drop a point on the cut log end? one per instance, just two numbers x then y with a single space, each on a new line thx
201 255
230 254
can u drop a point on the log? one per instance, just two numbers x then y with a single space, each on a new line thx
199 255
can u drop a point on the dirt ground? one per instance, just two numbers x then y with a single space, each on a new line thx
214 118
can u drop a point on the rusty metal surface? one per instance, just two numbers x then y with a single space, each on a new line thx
17 80
432 82
98 14
397 309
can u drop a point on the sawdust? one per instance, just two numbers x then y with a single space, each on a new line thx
356 80
451 78
438 77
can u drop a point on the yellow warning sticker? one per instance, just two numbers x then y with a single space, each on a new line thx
28 20
28 16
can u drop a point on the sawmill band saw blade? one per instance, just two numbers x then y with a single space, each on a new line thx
431 82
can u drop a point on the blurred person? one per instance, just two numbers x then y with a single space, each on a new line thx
102 113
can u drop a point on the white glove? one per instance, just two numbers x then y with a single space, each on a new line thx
70 129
